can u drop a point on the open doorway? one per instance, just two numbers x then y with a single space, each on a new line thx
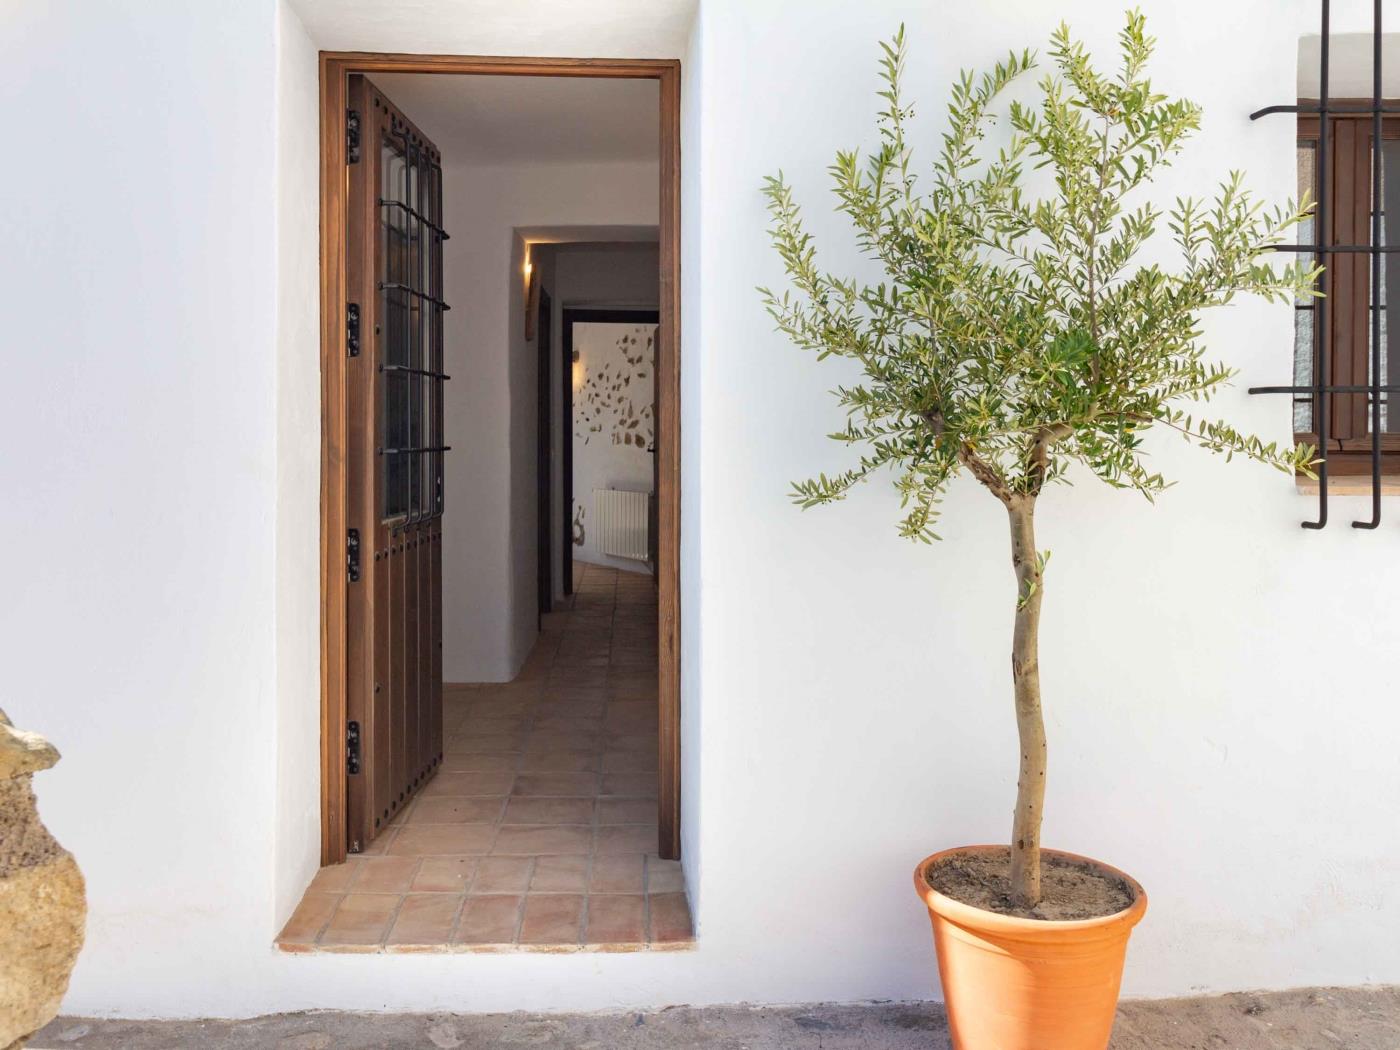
446 793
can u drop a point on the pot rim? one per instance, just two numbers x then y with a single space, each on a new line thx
972 917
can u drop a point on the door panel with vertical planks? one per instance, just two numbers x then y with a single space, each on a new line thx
396 454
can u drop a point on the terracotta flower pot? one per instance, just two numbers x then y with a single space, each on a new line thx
1028 984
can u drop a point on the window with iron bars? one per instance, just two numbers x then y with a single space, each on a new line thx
1346 283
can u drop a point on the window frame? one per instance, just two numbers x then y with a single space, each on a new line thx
1347 284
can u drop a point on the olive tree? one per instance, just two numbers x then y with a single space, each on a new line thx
1016 333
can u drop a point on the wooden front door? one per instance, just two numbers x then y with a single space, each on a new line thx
396 454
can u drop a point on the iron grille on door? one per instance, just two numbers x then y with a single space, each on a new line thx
411 308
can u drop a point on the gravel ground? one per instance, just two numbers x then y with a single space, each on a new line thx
1307 1019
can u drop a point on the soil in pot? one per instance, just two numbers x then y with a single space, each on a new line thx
1069 889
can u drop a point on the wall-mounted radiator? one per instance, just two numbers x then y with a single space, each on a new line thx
620 517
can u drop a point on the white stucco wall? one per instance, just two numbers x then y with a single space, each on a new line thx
846 704
1210 669
298 636
142 475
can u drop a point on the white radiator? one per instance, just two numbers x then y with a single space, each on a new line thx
620 517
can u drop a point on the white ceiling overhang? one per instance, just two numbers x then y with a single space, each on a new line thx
535 28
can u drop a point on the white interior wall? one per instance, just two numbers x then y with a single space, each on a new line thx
489 528
1194 739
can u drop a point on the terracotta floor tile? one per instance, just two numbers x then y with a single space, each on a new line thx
479 763
431 840
488 920
542 815
564 873
642 743
559 761
334 878
542 740
490 724
503 875
456 811
615 919
571 708
552 919
641 761
664 876
549 811
424 920
444 875
537 841
380 844
624 713
670 918
625 838
567 724
627 811
556 784
571 689
630 785
385 875
461 785
502 701
483 743
361 918
311 915
618 873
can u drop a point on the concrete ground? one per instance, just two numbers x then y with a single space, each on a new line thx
1308 1019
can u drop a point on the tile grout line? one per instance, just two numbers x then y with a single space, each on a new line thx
393 920
455 925
462 909
321 930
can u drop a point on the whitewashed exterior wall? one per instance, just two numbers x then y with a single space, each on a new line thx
846 695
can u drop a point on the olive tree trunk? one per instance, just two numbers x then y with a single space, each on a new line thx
1030 723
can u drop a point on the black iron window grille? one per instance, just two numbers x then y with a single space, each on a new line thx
1342 399
411 441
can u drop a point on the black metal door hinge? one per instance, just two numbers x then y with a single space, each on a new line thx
352 554
352 748
352 136
352 329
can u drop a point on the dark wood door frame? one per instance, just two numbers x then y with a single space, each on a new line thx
335 70
571 316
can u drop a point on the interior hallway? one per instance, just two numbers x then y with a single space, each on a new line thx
540 831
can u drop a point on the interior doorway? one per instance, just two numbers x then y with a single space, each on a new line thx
596 402
370 741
